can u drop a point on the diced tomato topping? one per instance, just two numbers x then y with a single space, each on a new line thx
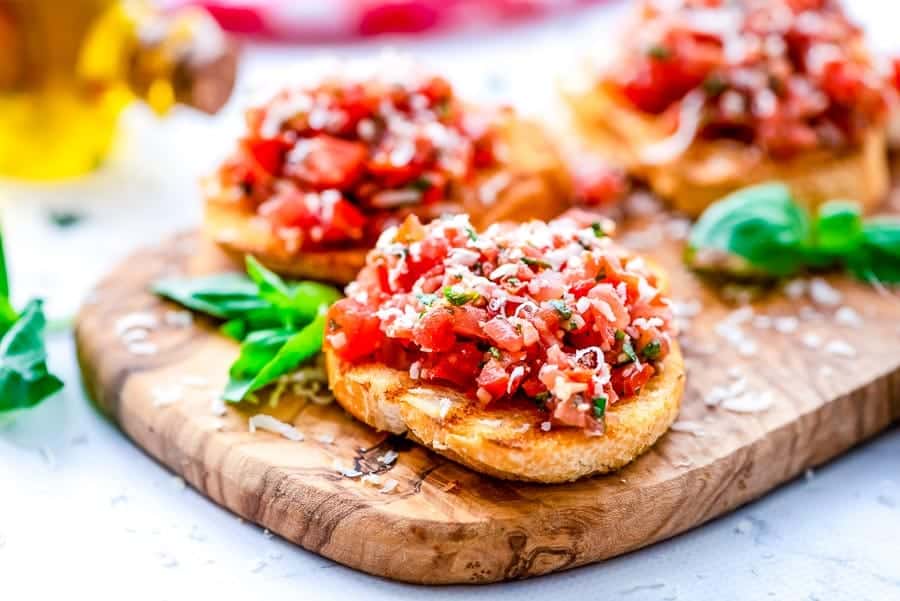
560 345
387 148
787 75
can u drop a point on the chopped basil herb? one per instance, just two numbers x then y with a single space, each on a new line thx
65 219
598 229
426 299
620 335
459 298
495 352
471 234
560 306
652 350
659 52
714 85
442 108
421 184
627 355
535 262
513 281
540 399
600 406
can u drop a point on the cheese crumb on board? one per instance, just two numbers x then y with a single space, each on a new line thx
262 421
847 316
840 348
824 294
389 486
138 320
165 395
388 458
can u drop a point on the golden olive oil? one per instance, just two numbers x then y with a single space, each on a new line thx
67 69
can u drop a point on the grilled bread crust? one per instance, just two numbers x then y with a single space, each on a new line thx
709 170
507 441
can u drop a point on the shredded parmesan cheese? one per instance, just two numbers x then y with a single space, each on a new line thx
262 421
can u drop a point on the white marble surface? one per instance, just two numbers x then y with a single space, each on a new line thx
83 512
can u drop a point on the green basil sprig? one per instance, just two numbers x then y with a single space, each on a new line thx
761 232
25 379
280 324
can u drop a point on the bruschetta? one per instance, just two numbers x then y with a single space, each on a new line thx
323 168
710 96
539 351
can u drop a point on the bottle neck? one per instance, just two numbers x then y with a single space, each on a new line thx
163 59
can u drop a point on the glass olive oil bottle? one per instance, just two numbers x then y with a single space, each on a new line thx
67 69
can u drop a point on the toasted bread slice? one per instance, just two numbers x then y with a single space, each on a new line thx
709 170
531 183
507 442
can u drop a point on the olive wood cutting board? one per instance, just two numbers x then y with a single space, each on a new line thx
769 395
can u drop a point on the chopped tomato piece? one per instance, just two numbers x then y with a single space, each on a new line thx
630 379
494 378
329 162
353 330
458 366
503 334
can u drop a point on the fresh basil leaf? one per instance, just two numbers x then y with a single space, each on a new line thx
756 231
838 228
226 295
298 348
878 258
236 329
24 378
4 277
271 287
256 351
8 315
297 303
306 298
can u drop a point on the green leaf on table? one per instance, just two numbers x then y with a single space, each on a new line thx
226 295
878 256
8 315
838 228
24 378
279 324
262 367
297 303
756 231
257 350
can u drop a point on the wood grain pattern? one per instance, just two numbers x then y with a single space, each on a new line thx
446 524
